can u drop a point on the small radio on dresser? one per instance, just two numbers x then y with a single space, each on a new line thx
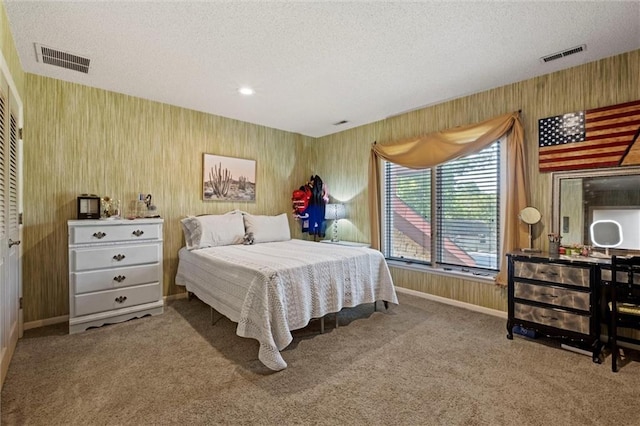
88 206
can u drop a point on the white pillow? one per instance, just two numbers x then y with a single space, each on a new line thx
267 229
213 230
221 230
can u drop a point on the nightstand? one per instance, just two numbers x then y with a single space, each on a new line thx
346 243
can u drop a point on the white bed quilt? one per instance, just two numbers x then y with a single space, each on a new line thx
270 289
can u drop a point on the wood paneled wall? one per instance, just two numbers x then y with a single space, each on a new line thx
84 140
342 158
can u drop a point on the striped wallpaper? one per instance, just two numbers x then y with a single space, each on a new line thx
79 139
343 157
84 140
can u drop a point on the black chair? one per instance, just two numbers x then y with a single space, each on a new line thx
624 306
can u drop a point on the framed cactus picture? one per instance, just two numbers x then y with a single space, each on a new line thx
228 178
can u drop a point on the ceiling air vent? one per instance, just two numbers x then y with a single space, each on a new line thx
564 53
71 61
340 123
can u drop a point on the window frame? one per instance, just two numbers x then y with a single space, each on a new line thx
433 266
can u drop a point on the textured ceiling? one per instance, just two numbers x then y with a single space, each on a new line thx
313 64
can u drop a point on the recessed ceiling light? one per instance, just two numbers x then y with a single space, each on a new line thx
247 91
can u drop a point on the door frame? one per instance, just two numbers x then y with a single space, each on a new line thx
16 99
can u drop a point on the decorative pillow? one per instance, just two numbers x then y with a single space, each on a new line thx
267 229
213 230
192 231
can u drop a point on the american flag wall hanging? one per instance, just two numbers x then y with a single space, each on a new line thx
602 137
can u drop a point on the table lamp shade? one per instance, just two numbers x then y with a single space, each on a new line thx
335 212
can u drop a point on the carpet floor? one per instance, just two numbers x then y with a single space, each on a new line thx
419 363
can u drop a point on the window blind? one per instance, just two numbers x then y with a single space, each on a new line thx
465 230
468 210
408 213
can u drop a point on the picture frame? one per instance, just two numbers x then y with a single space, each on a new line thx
228 178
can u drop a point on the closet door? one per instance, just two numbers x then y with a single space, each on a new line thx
10 271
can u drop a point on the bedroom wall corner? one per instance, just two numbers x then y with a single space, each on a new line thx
342 159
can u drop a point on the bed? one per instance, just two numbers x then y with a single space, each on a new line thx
270 288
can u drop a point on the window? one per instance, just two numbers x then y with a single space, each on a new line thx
448 215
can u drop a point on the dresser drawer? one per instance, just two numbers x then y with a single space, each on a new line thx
562 274
110 233
107 279
90 303
552 295
623 276
551 317
83 259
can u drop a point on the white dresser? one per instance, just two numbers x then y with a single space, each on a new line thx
115 271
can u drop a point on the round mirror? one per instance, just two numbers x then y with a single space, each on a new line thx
530 215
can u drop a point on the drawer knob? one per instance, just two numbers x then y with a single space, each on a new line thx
118 257
548 317
120 278
138 232
121 299
99 235
549 295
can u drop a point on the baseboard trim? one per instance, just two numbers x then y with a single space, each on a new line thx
173 297
457 303
65 318
45 322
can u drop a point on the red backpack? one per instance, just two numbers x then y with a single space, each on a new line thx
300 199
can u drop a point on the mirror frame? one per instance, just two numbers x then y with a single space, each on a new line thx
530 209
558 176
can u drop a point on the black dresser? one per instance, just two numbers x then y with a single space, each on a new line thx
557 297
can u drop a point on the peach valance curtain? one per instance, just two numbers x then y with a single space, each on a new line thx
436 148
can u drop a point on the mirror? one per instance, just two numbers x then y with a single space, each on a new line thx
606 233
530 216
583 197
